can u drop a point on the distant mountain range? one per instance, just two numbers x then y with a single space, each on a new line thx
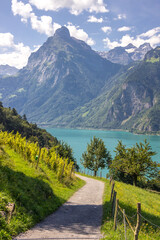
126 55
132 103
6 70
63 74
67 84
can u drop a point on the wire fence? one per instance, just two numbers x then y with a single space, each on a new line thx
133 222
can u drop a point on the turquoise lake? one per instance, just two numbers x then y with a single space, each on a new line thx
78 140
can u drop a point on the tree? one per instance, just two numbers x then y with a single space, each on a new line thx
135 161
14 112
96 155
65 151
24 117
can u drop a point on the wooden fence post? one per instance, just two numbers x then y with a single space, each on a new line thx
112 191
100 174
115 214
124 221
71 171
110 180
62 172
10 207
138 221
38 158
114 203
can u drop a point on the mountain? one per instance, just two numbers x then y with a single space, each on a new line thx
7 70
63 74
126 55
132 103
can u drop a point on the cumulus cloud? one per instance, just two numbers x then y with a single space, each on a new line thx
75 6
14 54
152 36
6 40
93 19
120 17
150 33
24 10
106 29
79 33
44 24
41 24
124 29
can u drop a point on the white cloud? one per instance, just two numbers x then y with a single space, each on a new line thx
94 19
15 54
152 36
150 33
44 24
24 10
124 29
120 17
106 29
109 44
75 6
41 24
6 40
79 33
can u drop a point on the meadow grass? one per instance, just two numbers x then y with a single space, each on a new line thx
35 192
129 196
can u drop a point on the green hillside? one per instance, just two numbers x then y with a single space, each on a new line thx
131 102
36 193
128 197
10 121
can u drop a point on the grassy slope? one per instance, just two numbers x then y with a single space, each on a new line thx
128 197
36 193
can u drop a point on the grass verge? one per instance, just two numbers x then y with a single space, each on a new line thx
129 196
35 192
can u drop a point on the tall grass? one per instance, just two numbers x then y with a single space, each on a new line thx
129 196
35 192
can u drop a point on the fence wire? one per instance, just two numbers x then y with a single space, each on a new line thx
149 221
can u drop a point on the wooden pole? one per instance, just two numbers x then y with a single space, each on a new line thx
124 221
114 203
38 158
110 180
100 174
70 172
138 221
62 172
112 191
115 214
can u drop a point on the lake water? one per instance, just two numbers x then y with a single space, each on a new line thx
78 140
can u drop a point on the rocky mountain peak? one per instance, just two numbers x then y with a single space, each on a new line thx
145 45
129 46
6 70
153 55
62 32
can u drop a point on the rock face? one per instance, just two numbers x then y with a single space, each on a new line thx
6 70
63 74
126 55
67 84
132 103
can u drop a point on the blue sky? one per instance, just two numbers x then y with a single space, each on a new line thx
103 24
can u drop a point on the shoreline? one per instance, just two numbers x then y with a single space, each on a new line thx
136 132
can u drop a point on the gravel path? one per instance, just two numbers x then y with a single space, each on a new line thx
79 218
